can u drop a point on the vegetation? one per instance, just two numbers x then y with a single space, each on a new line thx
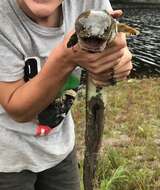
130 155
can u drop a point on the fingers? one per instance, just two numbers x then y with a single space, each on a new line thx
122 74
101 63
113 63
116 13
102 77
118 72
119 41
101 68
125 62
104 80
124 67
113 52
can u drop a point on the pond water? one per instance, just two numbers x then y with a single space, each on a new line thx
146 46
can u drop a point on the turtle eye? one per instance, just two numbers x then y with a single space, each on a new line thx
106 30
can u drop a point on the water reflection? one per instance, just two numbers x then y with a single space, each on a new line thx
145 47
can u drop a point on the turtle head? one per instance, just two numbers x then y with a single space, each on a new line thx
94 30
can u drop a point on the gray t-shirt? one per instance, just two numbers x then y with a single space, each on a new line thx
34 145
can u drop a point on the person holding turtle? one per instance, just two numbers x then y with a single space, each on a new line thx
39 79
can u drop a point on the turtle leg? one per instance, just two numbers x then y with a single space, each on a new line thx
129 31
72 41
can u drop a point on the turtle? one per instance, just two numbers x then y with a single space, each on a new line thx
96 29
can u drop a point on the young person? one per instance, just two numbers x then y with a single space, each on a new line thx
39 78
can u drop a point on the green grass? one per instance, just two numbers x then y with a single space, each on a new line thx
130 152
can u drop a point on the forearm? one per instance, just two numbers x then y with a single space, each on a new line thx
32 97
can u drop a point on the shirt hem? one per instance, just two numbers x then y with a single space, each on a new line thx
37 169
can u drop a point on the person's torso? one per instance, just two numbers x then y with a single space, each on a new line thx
50 136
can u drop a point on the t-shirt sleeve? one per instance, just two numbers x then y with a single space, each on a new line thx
11 61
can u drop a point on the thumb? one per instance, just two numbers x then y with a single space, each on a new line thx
116 13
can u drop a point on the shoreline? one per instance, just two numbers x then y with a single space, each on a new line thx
139 5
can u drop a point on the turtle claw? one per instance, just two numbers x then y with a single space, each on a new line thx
129 31
72 41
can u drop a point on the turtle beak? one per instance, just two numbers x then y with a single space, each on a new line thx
92 44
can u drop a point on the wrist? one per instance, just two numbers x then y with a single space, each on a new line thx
57 66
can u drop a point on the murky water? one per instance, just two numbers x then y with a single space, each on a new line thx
145 47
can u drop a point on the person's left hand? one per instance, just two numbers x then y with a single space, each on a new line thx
123 65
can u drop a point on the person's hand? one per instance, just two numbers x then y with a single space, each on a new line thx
116 13
113 63
123 65
98 64
123 68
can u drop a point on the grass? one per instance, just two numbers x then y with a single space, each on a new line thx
130 153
